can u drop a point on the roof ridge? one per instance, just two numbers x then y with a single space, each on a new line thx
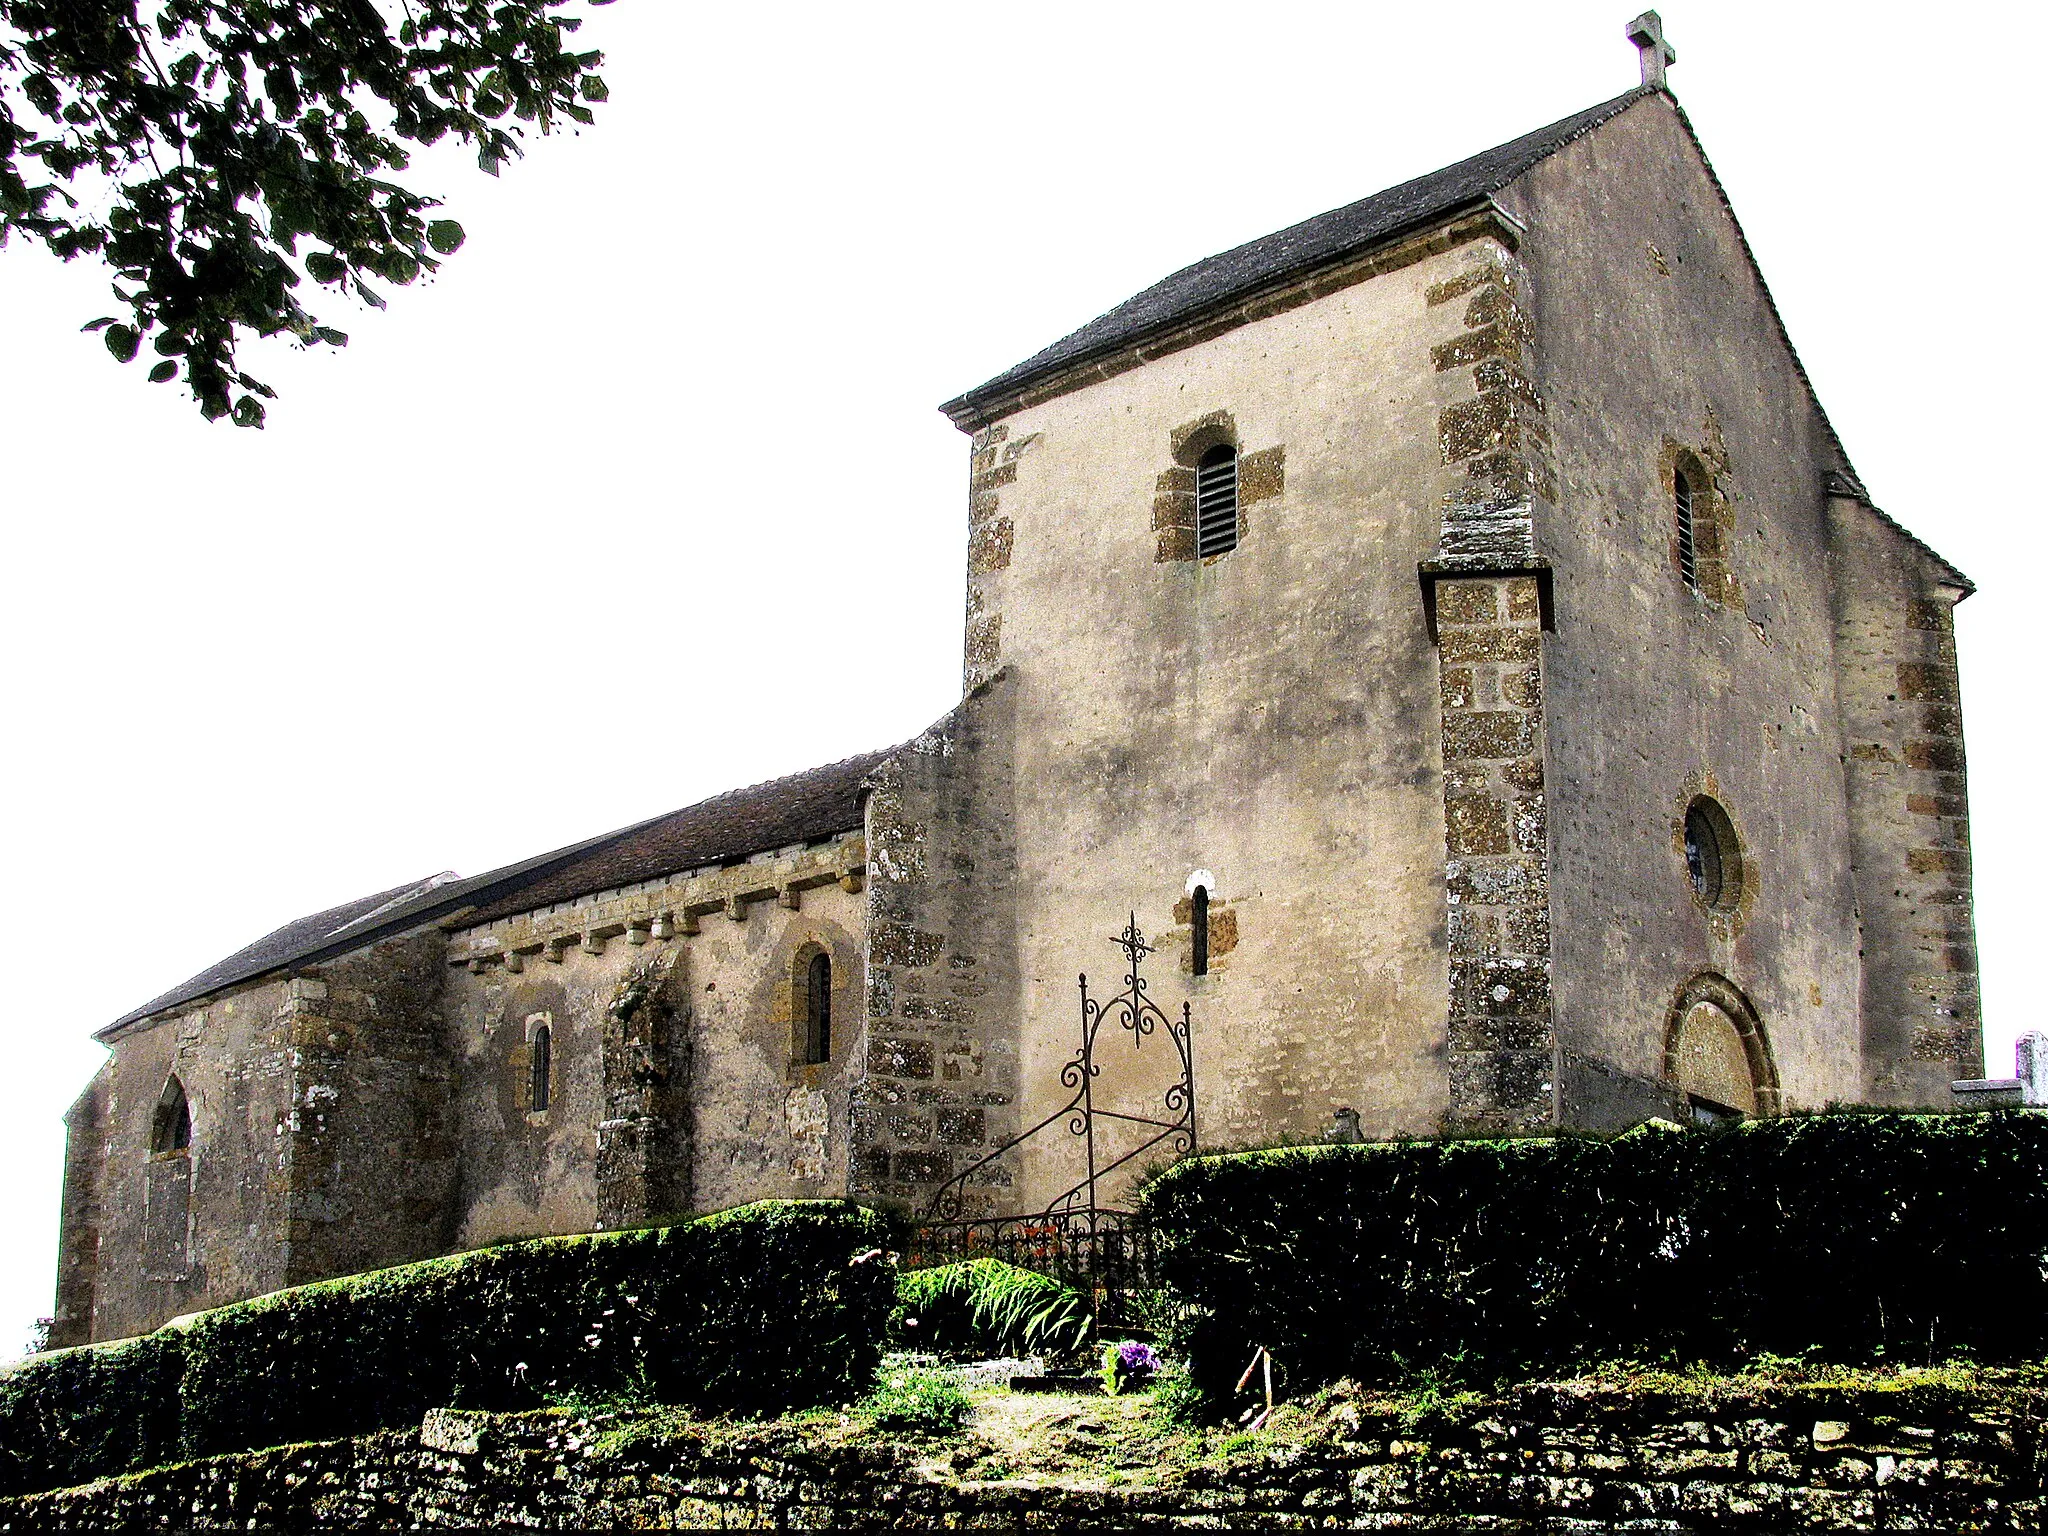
1286 254
310 939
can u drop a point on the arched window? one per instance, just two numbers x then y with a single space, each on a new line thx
818 1009
1201 925
540 1068
1686 484
1216 502
171 1129
1713 855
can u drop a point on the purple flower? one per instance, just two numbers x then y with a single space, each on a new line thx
1137 1359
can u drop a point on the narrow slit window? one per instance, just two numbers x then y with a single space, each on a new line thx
818 1010
1685 494
1216 502
1201 924
540 1084
171 1129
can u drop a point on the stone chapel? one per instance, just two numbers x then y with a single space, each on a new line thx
1449 628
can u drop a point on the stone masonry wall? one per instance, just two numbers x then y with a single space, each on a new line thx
78 1246
991 537
370 1156
1909 806
178 1231
1544 1459
677 1070
1655 342
1488 592
938 1087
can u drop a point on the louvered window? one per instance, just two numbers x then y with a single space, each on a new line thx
1688 556
1216 502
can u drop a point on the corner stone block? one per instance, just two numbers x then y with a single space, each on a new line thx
1476 824
1261 475
1467 602
1489 734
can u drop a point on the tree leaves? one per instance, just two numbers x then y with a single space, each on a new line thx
272 122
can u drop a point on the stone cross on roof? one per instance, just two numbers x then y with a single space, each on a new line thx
1647 33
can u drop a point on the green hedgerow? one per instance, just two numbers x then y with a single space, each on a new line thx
771 1306
1848 1238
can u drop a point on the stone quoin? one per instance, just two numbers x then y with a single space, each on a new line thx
1459 600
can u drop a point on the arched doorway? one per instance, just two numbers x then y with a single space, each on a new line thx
1716 1052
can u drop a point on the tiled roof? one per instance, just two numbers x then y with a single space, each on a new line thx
797 809
1297 249
295 938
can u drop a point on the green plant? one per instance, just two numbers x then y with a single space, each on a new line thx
1844 1237
919 1402
987 1307
1127 1366
766 1307
78 1414
1177 1402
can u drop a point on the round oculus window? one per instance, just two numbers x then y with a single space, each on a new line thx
1713 858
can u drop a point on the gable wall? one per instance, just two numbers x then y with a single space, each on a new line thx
234 1059
1271 716
1657 693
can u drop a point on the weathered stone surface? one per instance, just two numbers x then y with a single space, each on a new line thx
1536 1461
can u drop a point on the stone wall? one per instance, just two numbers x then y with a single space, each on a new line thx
1909 789
677 1075
156 1234
1263 723
939 1066
1656 343
1540 1460
1489 601
370 1167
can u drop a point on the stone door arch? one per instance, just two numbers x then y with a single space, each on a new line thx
1716 1051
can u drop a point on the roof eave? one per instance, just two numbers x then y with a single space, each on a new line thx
1472 219
1846 485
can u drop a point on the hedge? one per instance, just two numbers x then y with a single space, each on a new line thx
1852 1238
757 1309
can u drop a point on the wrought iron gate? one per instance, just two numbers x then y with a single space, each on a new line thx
1094 1247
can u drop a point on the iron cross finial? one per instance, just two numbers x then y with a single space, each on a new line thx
1647 33
1132 942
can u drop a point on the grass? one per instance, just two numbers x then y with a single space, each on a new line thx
988 1308
912 1400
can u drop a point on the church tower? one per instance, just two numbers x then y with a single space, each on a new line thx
1462 602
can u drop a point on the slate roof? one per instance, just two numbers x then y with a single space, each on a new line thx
1300 248
799 808
300 936
727 827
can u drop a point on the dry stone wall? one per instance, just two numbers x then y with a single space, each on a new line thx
1546 1458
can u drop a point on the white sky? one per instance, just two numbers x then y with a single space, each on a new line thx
646 497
